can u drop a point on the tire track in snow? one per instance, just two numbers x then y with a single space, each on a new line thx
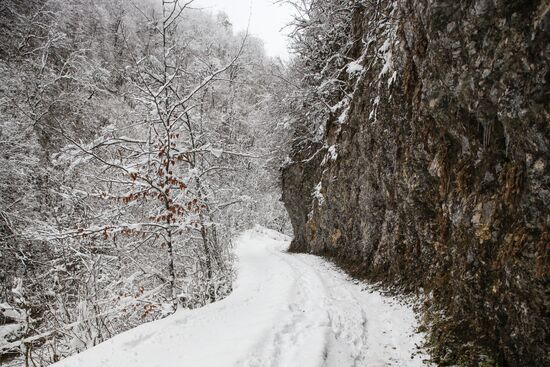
300 339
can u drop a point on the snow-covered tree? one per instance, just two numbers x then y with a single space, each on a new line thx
138 138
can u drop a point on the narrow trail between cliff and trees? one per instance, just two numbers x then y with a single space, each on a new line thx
286 310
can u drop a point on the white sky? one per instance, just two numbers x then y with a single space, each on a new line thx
266 20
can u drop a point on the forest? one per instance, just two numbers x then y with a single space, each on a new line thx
407 142
136 141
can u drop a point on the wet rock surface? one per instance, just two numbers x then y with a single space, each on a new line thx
438 180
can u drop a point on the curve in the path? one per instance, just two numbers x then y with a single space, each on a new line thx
285 311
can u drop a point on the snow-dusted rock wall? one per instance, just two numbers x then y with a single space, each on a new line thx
436 176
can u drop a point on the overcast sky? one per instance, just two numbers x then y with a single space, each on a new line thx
266 20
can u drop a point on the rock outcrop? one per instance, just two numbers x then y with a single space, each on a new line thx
437 180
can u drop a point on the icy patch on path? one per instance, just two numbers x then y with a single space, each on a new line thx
285 311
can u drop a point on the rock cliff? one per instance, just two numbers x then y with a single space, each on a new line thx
435 178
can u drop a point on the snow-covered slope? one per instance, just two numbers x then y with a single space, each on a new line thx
286 310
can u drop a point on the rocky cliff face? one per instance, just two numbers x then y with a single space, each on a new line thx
437 180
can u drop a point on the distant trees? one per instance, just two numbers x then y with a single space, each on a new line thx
136 139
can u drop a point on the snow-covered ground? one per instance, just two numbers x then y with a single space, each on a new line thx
286 310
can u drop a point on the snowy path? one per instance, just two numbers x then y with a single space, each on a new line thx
286 310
